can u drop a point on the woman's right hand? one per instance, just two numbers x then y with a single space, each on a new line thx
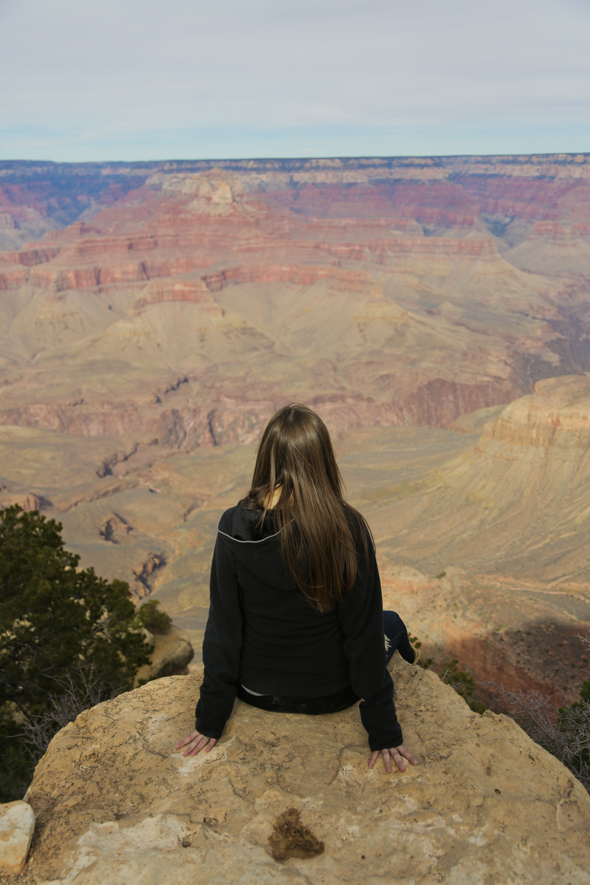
396 754
196 742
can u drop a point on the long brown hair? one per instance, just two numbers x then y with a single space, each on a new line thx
295 461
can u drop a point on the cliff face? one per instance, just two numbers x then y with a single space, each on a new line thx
400 291
557 417
291 799
522 488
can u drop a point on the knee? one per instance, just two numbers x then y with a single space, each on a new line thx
393 623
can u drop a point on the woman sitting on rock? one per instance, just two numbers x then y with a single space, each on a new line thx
296 621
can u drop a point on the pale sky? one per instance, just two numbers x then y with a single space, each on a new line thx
196 79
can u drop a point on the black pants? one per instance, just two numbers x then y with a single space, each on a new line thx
396 637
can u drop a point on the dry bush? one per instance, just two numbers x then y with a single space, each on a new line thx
72 697
564 732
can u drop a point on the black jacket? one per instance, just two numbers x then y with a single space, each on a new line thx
262 633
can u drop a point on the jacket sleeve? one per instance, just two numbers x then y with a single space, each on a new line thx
361 618
222 644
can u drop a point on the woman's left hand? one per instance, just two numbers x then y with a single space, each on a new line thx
396 754
196 742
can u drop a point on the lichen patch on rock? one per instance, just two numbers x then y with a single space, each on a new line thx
290 838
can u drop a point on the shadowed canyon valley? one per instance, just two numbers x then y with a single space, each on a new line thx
434 311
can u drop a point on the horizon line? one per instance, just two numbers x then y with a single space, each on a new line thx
343 157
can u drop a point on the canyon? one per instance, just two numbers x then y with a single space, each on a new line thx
434 311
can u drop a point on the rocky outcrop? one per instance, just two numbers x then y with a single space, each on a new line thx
171 656
557 415
26 500
90 419
144 574
115 529
191 291
352 281
17 823
115 802
29 257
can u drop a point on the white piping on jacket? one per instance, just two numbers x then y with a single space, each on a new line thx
238 541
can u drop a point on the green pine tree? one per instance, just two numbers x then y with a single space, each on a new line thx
62 629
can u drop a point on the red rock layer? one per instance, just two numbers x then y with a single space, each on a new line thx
217 269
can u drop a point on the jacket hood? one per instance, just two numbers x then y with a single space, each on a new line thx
257 546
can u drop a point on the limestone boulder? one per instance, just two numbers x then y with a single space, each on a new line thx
171 656
17 822
290 798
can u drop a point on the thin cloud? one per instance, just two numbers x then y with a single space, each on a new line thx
131 66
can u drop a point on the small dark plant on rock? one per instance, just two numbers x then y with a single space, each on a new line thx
416 644
463 683
152 619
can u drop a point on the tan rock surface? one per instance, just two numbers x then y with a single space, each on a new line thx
17 822
116 803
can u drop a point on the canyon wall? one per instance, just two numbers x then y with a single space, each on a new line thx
187 300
